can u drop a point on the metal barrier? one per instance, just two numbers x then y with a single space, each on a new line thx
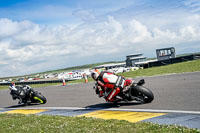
35 82
174 60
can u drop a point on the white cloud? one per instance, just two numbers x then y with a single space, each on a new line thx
9 28
26 47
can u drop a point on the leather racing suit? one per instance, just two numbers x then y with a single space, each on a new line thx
109 85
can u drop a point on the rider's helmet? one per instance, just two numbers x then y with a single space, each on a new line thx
94 75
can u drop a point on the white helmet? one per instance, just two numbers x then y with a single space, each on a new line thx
94 75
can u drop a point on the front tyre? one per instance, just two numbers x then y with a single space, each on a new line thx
142 93
39 98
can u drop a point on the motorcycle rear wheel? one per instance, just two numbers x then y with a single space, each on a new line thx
142 94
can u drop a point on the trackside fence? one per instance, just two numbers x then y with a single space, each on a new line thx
173 60
35 82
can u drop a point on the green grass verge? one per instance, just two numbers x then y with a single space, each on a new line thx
190 66
3 87
18 123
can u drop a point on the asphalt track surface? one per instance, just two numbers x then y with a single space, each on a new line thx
172 92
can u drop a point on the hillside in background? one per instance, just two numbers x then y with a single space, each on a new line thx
87 66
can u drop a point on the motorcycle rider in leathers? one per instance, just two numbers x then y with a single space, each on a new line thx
108 80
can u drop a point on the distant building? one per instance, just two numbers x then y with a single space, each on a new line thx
165 53
131 60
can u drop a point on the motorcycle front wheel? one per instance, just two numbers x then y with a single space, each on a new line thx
142 94
39 98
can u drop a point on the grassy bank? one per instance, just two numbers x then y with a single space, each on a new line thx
190 66
12 123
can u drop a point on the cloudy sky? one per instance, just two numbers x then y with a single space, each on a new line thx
41 35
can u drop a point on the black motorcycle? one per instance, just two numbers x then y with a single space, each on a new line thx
26 95
135 91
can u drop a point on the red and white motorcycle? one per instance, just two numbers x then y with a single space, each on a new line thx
135 91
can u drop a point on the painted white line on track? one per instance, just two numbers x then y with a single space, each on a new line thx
110 109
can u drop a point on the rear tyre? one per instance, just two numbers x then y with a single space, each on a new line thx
142 93
40 98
